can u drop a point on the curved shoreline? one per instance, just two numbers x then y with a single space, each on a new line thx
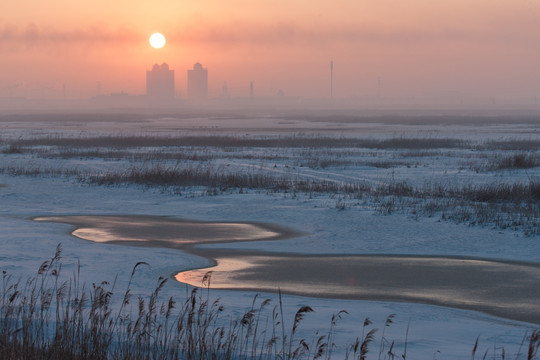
507 289
168 232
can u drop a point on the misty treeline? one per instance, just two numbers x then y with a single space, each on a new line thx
294 141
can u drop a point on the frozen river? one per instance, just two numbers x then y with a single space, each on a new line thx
459 282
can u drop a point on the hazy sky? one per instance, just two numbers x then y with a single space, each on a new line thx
417 47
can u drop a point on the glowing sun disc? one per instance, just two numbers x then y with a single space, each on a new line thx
157 40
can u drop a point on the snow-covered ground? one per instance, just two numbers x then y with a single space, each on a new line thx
434 332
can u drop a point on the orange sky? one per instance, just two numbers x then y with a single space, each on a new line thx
417 47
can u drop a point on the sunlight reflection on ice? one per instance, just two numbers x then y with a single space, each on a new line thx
145 228
456 282
463 283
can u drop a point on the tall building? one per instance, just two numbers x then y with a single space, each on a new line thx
160 82
197 82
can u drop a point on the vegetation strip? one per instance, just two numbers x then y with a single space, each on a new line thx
310 165
49 316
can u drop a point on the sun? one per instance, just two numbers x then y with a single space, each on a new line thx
157 40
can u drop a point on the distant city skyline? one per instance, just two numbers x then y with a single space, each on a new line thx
421 48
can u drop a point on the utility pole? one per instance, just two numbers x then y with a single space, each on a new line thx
332 79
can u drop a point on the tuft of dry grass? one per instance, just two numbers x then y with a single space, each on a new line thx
512 144
49 316
514 161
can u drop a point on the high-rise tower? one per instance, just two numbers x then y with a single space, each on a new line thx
160 82
197 82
